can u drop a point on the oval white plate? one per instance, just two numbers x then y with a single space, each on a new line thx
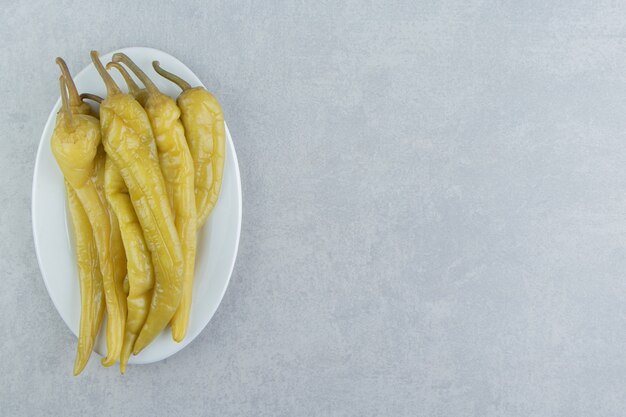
217 241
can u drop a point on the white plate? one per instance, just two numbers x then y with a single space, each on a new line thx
217 242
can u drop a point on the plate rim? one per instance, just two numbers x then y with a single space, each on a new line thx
190 337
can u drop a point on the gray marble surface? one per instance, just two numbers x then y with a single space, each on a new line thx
434 209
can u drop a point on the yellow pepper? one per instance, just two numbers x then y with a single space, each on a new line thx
140 271
140 276
203 120
90 281
178 171
89 274
74 144
127 138
118 253
138 93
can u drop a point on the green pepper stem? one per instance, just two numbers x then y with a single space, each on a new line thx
133 88
92 97
123 58
112 88
184 85
69 82
65 105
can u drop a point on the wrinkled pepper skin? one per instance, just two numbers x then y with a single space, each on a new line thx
139 262
178 172
118 253
140 270
89 278
127 138
89 275
139 94
74 145
203 120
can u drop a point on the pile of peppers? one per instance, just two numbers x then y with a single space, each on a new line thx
142 175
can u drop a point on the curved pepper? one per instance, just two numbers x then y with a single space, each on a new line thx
127 138
89 278
74 144
178 171
140 271
203 120
118 253
92 303
140 276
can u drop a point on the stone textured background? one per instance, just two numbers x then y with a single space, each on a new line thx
434 209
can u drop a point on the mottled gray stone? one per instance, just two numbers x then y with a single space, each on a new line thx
434 213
